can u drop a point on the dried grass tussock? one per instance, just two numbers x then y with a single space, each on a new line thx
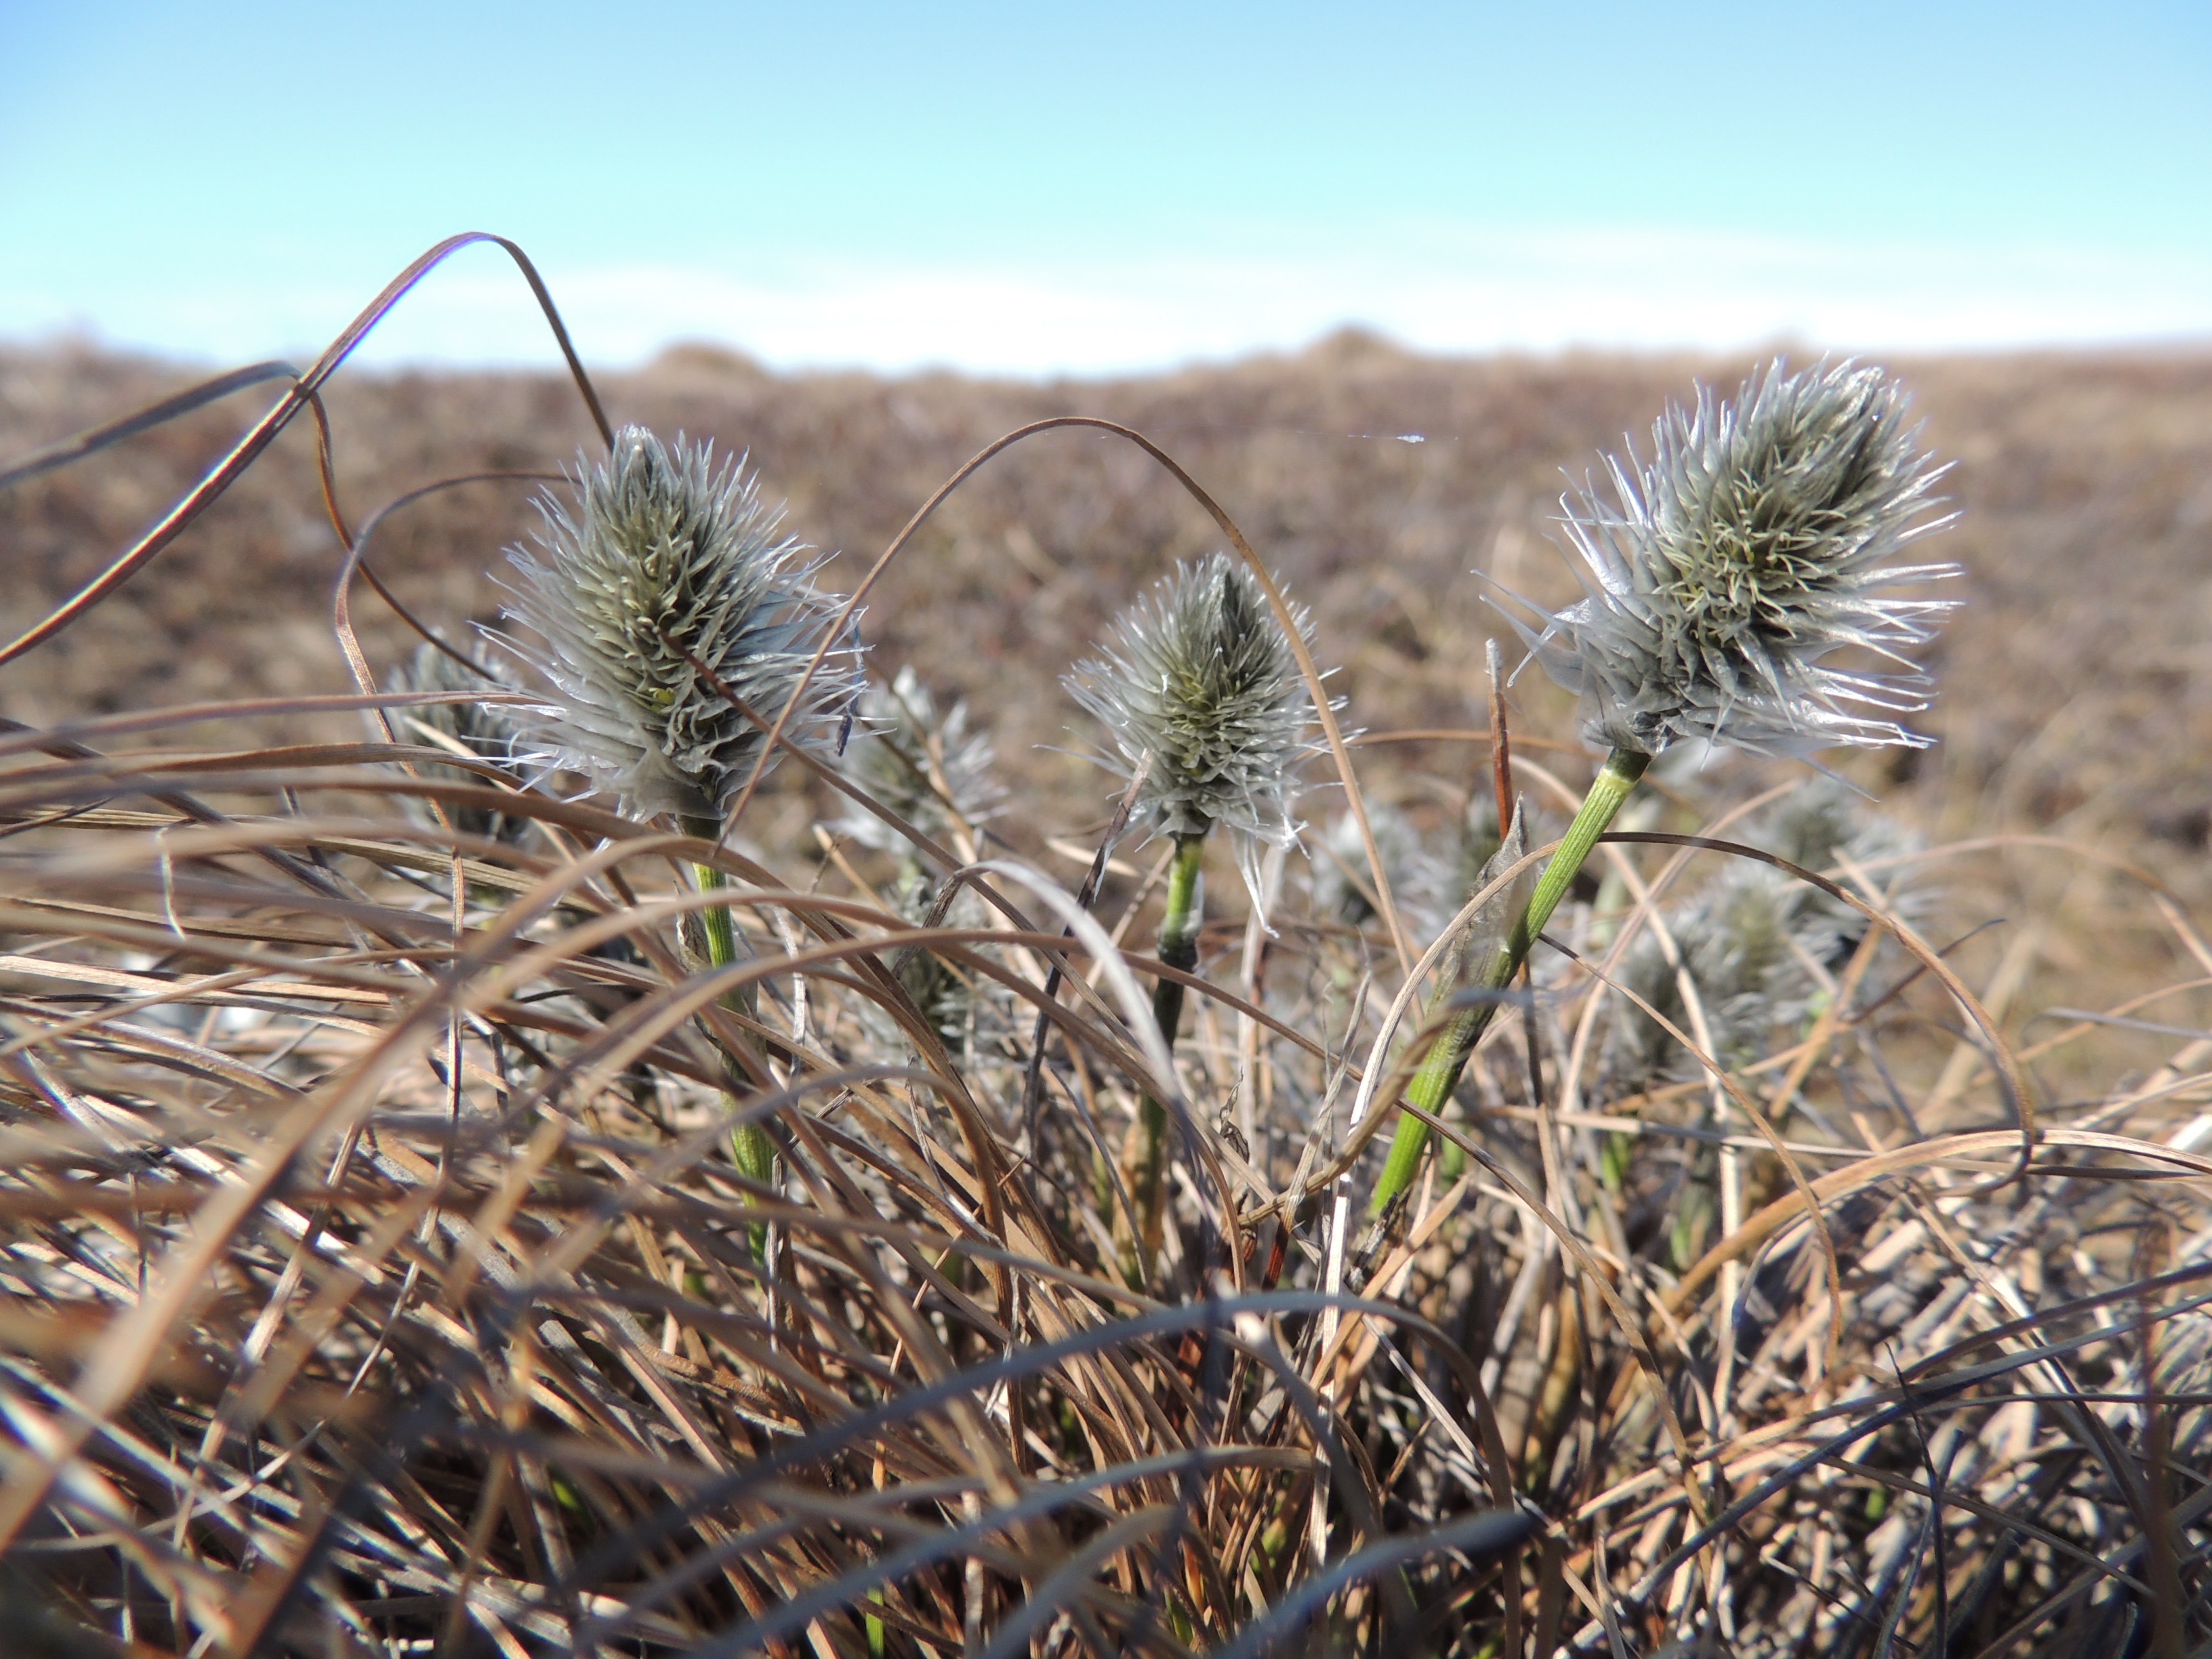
867 1199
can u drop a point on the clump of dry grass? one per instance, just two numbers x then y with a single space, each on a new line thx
380 1279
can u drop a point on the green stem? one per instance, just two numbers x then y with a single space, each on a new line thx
1178 948
1439 1074
752 1147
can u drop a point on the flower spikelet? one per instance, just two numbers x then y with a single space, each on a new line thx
1343 884
1752 940
928 765
1719 576
485 730
1817 828
1735 942
663 557
1200 674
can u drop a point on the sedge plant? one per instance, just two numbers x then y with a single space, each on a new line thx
1199 675
1717 578
466 726
674 619
309 1351
932 766
350 1308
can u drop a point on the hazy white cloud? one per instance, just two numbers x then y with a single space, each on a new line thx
1436 289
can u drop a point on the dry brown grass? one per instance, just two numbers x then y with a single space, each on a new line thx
377 1279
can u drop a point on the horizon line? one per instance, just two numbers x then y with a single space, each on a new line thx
82 341
1467 293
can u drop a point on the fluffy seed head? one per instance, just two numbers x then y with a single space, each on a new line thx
661 557
486 730
964 1007
1751 939
926 765
1343 884
1735 942
1817 828
1200 674
1719 576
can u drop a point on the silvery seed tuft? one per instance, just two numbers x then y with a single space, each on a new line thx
928 765
1817 827
486 730
1735 942
662 556
1720 576
1343 885
1200 674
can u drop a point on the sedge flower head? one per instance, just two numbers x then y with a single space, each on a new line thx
1344 885
664 562
929 765
1720 576
1734 942
1755 941
487 731
1199 674
1826 827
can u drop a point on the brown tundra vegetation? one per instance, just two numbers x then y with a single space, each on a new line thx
379 1273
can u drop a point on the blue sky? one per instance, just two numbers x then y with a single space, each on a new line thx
1037 189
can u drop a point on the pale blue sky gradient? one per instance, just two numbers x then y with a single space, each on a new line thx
1037 188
